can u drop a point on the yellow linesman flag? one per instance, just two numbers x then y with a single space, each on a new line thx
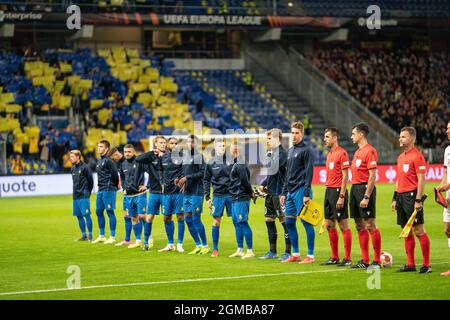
407 229
312 213
323 227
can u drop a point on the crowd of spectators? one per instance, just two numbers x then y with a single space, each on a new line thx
402 87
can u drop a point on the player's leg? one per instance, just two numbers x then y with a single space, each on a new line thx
291 219
424 241
309 228
356 196
197 210
363 238
403 207
181 229
81 222
99 208
110 205
447 224
215 235
154 204
287 242
375 236
170 230
243 221
238 231
347 236
218 206
270 217
329 211
137 208
188 217
127 222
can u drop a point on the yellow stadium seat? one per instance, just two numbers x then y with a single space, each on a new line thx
96 103
85 84
7 97
104 115
13 108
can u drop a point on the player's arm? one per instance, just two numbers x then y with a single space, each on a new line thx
420 188
370 185
114 172
394 197
90 178
245 181
207 182
443 186
146 157
341 200
309 170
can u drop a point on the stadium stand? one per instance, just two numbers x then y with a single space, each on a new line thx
403 87
80 97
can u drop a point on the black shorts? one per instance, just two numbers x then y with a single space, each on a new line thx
331 198
405 208
356 196
272 206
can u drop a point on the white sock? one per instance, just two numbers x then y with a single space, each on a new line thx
296 254
240 249
249 250
310 256
449 242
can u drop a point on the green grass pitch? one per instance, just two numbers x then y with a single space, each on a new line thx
37 246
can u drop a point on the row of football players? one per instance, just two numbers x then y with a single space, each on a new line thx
178 186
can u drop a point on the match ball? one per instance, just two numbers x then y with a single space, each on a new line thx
386 259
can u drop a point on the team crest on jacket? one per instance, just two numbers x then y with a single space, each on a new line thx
358 163
405 167
331 165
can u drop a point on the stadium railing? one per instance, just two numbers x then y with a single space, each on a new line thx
333 103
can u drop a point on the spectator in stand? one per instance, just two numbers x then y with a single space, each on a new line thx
397 85
17 165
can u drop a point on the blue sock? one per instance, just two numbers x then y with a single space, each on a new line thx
215 237
239 235
137 228
147 231
170 228
82 225
192 230
293 234
310 236
247 234
112 222
128 227
200 228
101 222
89 224
181 228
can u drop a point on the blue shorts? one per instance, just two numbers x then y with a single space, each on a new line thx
106 200
135 205
240 210
172 204
81 207
193 204
155 201
219 203
294 202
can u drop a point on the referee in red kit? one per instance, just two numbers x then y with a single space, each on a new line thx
408 197
336 198
363 197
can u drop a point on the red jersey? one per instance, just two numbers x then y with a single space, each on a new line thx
409 164
364 159
337 160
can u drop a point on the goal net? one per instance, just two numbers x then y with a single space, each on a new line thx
253 148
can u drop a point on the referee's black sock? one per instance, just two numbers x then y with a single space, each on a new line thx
286 238
272 231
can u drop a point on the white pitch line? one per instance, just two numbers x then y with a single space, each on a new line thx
172 282
136 284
